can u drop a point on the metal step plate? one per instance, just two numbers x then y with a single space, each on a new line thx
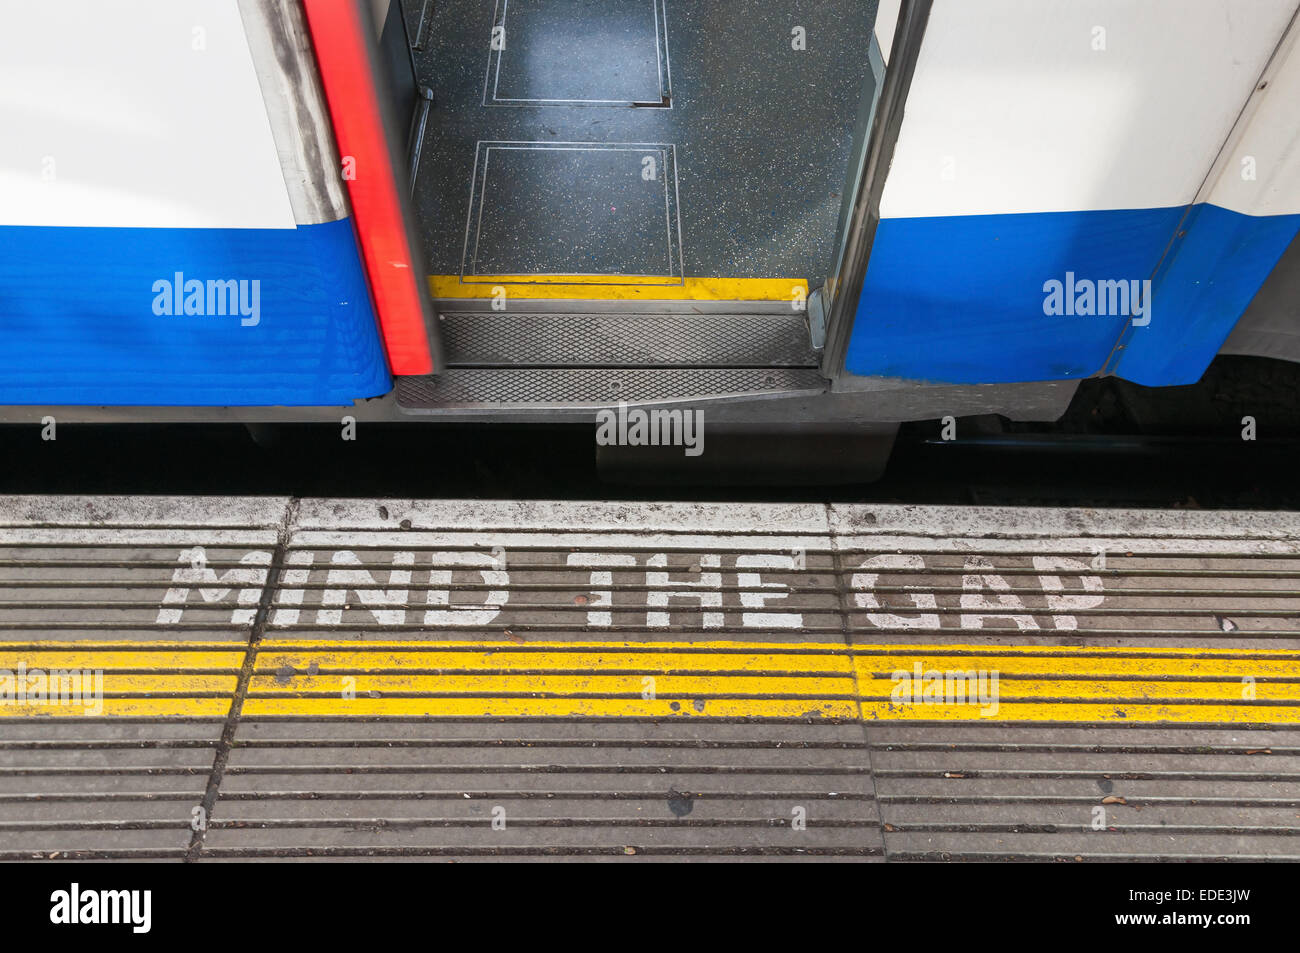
548 388
487 339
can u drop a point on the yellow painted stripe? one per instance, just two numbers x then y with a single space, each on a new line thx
554 707
689 679
161 677
1048 687
165 707
507 660
179 683
1055 683
683 657
1103 666
567 287
1029 711
94 645
548 684
803 648
10 660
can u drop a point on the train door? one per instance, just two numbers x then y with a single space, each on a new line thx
1073 189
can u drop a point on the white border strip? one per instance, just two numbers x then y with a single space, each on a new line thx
874 525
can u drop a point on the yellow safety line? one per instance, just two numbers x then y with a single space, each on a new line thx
595 660
1058 712
120 657
1101 667
599 288
844 709
722 679
163 707
604 646
1049 688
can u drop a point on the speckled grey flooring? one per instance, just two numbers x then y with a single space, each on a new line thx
614 57
760 134
592 209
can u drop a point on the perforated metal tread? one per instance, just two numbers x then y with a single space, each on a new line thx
489 339
542 388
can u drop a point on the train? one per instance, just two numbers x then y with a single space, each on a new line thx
791 220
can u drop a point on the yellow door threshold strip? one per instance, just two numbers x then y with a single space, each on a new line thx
655 680
600 288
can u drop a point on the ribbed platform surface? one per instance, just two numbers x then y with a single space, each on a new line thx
272 678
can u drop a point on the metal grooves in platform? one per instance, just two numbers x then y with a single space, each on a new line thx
975 791
558 788
102 788
304 679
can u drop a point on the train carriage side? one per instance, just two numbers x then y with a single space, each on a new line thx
244 209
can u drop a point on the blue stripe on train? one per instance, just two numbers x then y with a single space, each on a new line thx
1216 266
78 322
960 299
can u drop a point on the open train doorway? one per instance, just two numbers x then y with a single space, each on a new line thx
633 199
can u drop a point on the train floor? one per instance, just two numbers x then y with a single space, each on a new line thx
211 678
633 142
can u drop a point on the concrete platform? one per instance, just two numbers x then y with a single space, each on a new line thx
223 679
